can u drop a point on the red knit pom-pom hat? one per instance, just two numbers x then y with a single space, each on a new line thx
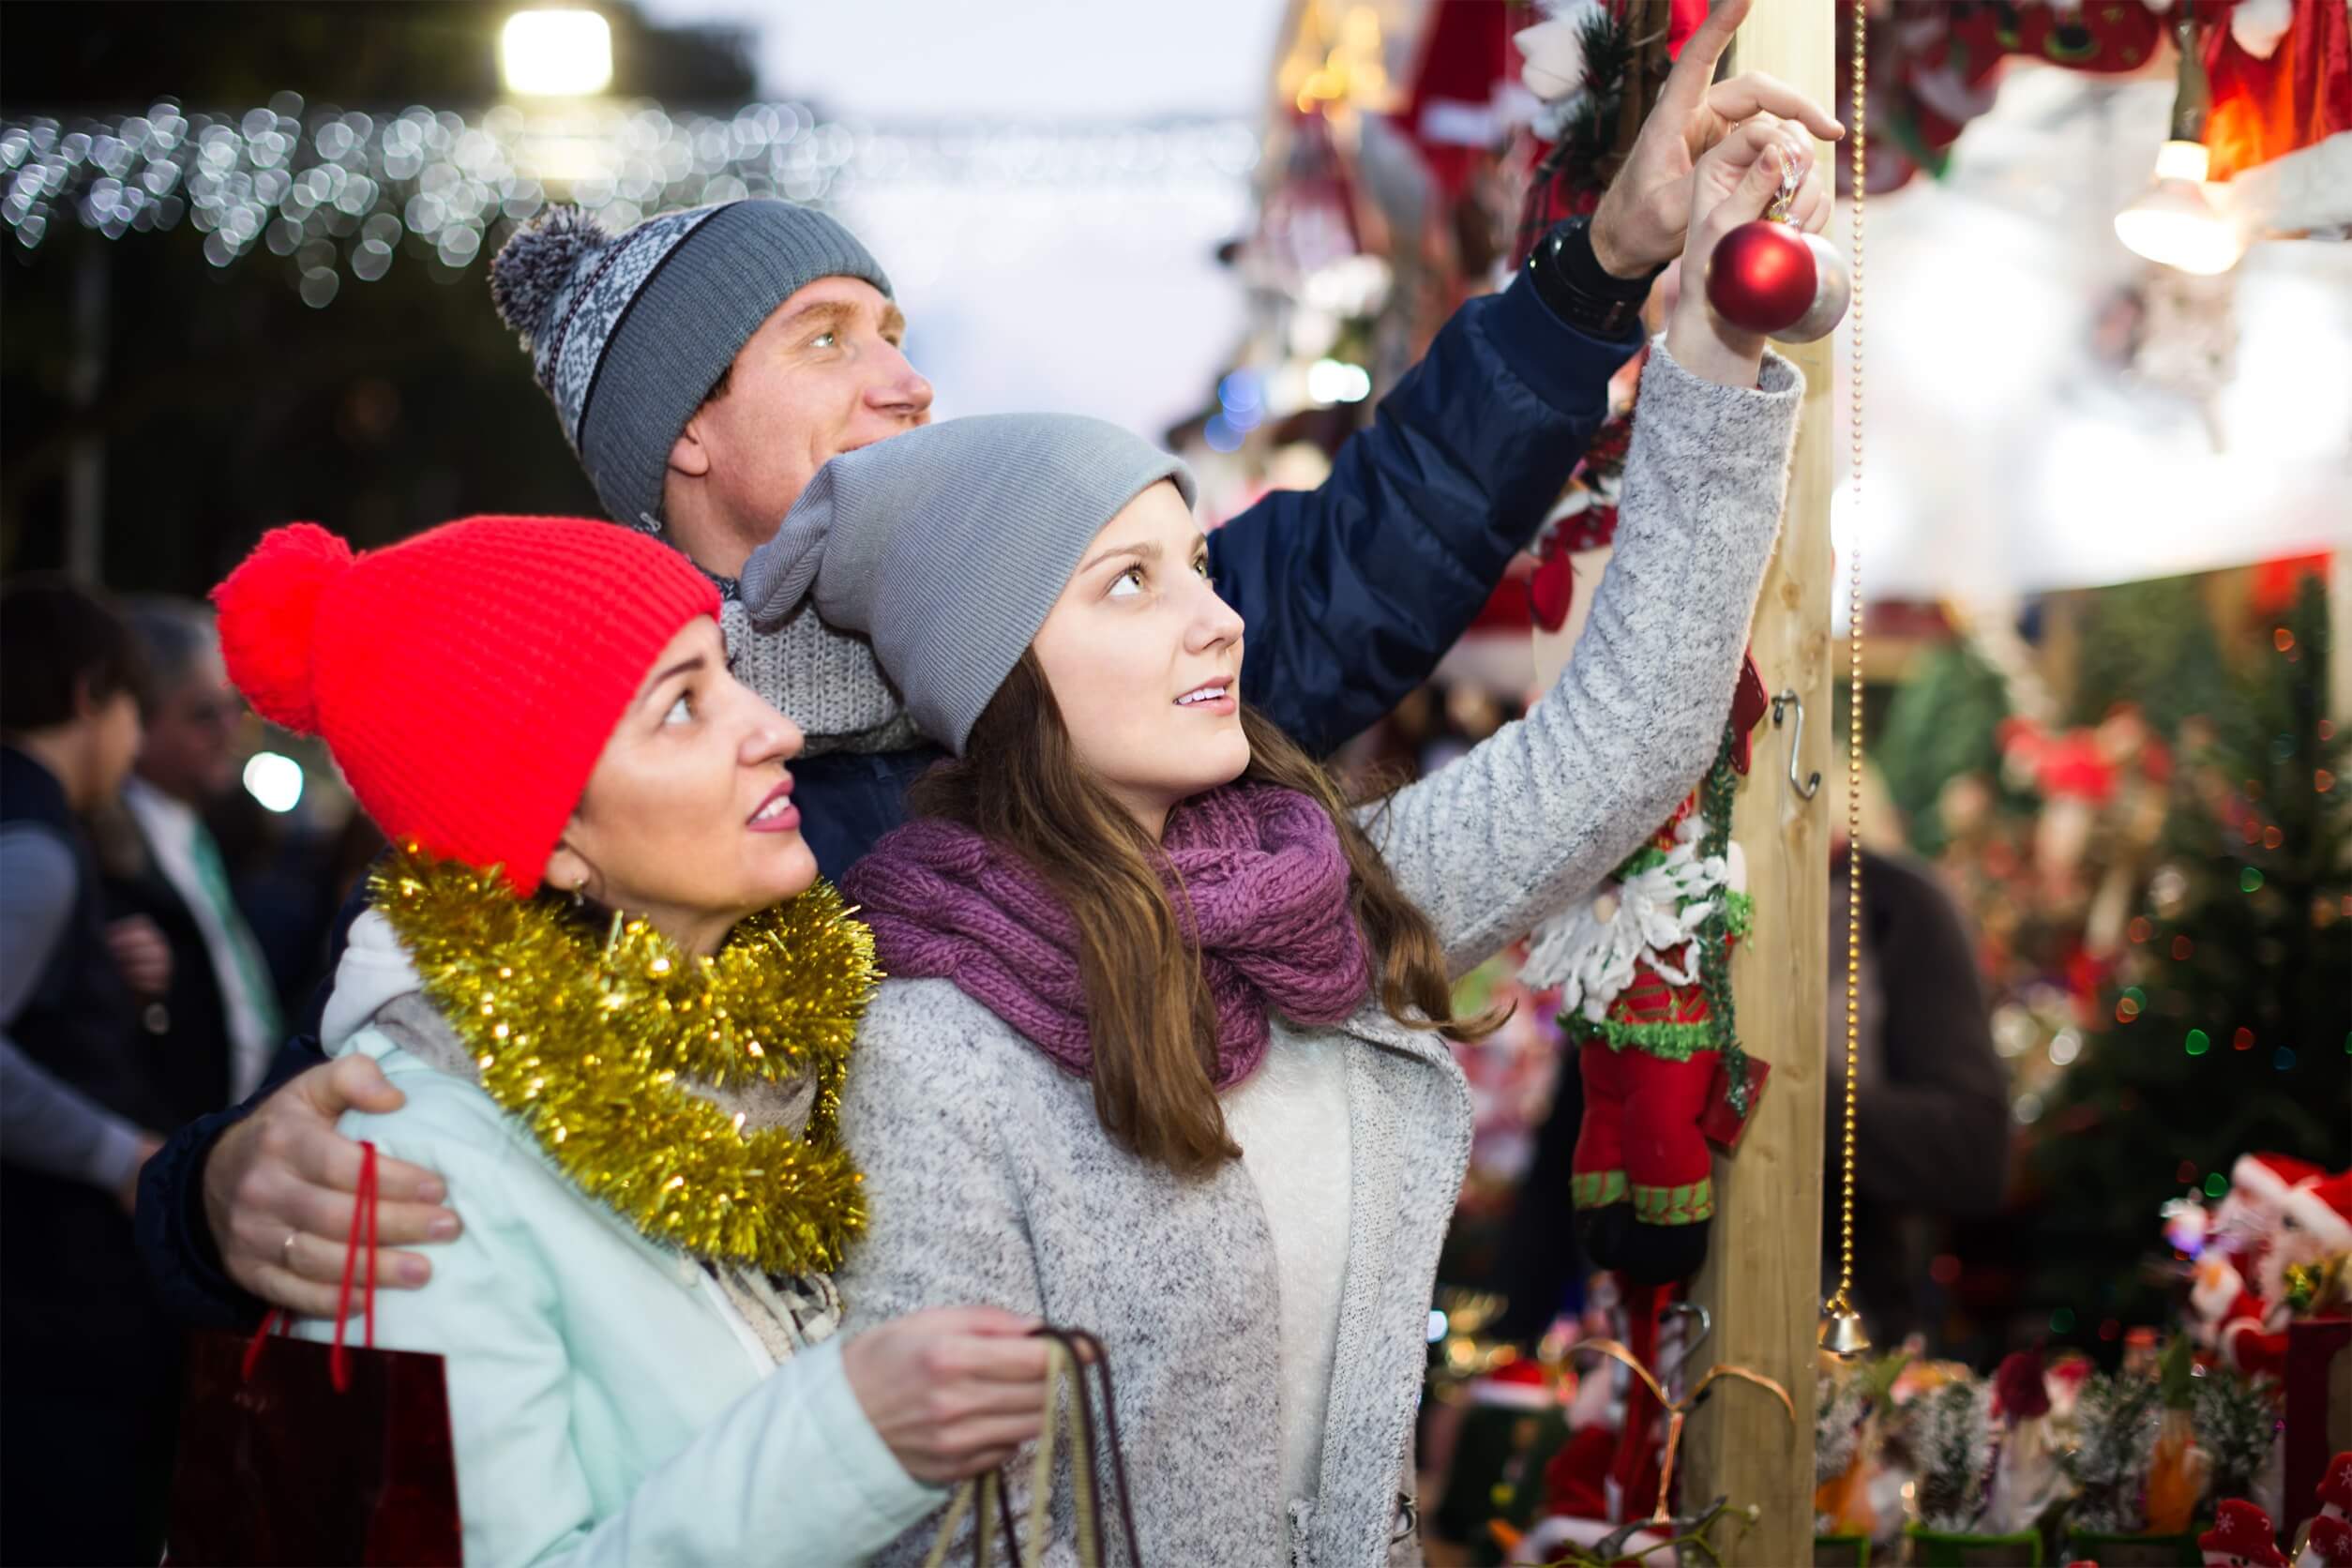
466 679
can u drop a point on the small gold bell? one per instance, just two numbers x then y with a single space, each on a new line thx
1841 1331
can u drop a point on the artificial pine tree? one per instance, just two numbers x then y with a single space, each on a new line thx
2236 1420
2116 1418
2227 1024
1950 1436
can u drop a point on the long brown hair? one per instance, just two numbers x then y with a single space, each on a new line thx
1020 784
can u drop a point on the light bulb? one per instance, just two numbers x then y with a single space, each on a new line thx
2175 222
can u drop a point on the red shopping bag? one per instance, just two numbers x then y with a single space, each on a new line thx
296 1452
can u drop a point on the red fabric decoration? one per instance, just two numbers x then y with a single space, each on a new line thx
1933 69
1657 1097
2302 94
2018 1387
466 679
1465 54
2277 583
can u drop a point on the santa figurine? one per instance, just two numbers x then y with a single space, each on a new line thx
2241 1538
2027 1476
2315 1225
2236 1237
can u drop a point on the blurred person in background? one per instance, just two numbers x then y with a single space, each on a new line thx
1931 1134
217 1018
86 1352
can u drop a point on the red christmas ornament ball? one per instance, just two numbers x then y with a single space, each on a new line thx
1761 278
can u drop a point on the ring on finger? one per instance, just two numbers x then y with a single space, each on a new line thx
285 1250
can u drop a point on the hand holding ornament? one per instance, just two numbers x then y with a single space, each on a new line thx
1733 186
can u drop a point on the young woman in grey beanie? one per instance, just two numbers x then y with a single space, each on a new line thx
1165 1048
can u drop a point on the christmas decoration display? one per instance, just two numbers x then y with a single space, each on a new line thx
1949 1435
2275 68
1850 1405
2241 1537
2229 1242
1646 994
2117 1421
1678 1410
2027 1478
2177 1466
1512 1422
2279 78
2327 1537
2123 1468
2236 1421
347 192
586 1041
2178 945
1596 79
2313 1233
2328 1545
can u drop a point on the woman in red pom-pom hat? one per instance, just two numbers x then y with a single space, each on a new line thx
616 1008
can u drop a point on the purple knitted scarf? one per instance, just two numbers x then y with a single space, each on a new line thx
1263 892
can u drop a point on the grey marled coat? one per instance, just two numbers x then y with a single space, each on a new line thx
989 1179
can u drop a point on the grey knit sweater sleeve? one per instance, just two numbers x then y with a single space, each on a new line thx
923 1111
1547 808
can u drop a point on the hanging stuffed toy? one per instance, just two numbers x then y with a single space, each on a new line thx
1646 999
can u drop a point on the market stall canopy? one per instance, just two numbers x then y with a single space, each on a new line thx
2045 410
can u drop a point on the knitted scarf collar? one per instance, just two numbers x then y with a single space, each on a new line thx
697 1098
1259 880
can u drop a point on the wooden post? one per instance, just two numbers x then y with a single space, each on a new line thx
1762 1285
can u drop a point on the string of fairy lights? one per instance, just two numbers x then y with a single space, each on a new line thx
347 193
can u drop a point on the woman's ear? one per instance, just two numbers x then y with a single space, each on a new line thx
567 869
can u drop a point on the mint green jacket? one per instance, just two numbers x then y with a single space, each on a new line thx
607 1403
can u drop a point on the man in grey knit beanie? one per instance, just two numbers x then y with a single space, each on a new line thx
635 338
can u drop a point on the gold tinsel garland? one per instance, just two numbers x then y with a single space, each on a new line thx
585 1043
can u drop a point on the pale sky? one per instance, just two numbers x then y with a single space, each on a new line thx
1097 301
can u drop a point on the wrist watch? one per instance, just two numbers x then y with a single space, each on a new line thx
1570 278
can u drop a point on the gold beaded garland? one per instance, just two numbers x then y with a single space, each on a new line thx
587 1044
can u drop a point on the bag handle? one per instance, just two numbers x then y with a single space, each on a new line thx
1088 1355
363 1210
1071 1354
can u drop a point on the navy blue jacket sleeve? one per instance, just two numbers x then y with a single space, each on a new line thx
1353 591
171 1229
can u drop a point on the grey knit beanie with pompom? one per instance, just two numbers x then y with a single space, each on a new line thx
629 332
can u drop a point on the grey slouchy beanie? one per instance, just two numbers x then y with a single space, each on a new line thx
948 546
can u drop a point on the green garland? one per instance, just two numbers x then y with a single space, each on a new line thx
1724 922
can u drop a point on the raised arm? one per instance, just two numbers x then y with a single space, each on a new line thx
1353 590
1548 806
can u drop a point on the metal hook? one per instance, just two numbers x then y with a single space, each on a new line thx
1806 789
1697 1336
